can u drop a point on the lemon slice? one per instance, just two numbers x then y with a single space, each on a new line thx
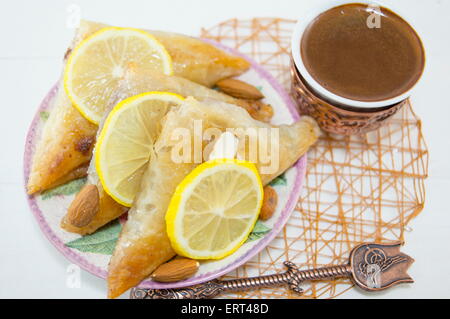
99 63
214 209
126 140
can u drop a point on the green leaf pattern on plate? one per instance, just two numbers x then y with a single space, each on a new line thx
258 232
280 180
44 115
102 241
68 188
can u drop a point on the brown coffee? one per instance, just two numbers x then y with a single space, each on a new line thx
350 59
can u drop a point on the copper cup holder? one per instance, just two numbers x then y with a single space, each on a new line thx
338 119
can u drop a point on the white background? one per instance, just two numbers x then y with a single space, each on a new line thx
33 38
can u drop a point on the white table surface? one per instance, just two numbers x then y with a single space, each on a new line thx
33 38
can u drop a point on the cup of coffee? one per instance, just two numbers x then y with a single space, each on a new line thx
354 64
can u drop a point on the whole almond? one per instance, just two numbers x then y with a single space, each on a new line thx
84 207
239 89
175 270
269 203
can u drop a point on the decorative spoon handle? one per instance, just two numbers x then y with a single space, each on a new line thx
371 267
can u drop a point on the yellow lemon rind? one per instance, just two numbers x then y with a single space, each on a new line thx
177 198
104 132
90 116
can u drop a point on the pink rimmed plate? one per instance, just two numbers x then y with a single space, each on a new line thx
93 252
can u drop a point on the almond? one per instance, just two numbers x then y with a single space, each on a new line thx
84 207
175 270
269 203
260 111
239 89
